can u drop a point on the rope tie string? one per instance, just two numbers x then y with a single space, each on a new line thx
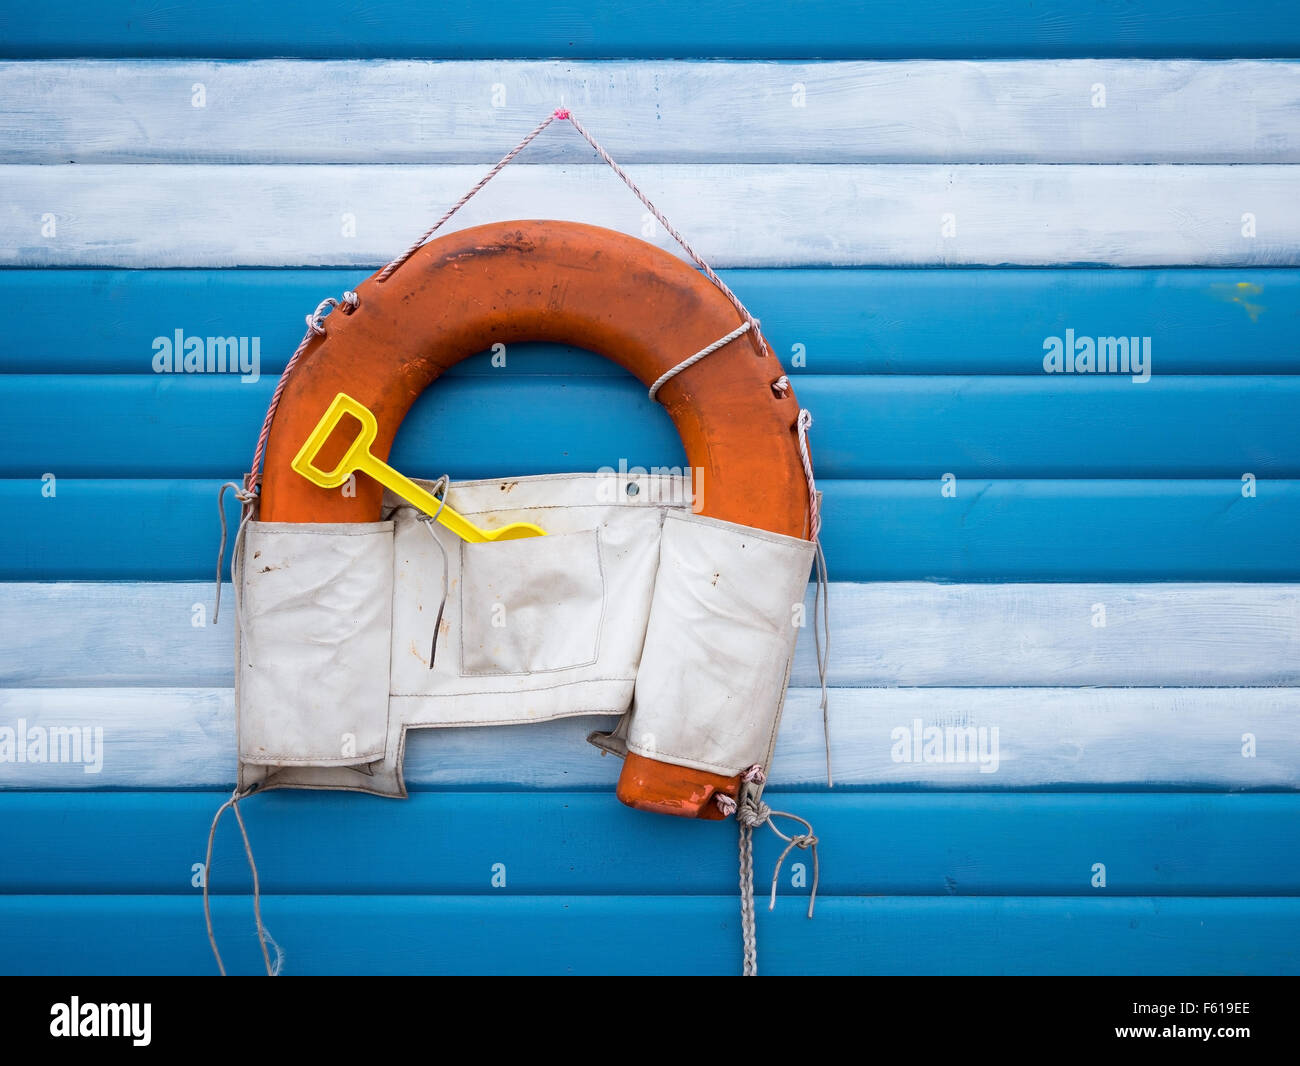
760 345
315 328
748 920
822 596
439 489
244 496
264 938
388 271
316 320
751 813
802 425
703 353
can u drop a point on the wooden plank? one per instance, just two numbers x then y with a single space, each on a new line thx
909 634
294 111
992 530
735 215
847 321
1112 530
948 738
578 29
582 843
874 427
698 935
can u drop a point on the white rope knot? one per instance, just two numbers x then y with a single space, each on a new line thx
727 805
316 320
703 353
753 813
781 386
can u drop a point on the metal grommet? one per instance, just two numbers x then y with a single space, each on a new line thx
632 488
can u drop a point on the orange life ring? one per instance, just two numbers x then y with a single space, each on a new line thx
566 283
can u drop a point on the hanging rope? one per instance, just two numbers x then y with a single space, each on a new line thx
349 301
439 489
246 498
504 162
751 813
263 937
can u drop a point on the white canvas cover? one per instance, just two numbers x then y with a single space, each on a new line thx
632 604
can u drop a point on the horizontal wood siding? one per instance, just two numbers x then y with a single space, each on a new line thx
738 215
278 110
578 28
1100 603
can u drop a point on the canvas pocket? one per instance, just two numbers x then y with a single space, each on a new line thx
535 605
314 647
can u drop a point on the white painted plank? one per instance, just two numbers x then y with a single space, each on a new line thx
383 111
130 738
1155 634
184 738
737 215
909 633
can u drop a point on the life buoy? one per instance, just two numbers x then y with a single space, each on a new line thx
566 283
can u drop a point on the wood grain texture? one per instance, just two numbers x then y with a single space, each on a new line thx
677 935
159 635
1101 744
992 738
888 426
896 321
293 111
894 530
208 215
583 843
580 28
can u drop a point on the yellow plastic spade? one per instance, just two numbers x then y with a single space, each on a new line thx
358 457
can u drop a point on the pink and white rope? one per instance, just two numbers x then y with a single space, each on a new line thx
316 323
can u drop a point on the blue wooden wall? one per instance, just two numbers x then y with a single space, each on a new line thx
1129 829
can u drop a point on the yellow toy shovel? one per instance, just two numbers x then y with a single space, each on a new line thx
358 457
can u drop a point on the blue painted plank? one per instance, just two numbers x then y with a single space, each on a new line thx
695 935
815 28
1044 530
1194 530
847 321
1044 426
583 843
201 425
